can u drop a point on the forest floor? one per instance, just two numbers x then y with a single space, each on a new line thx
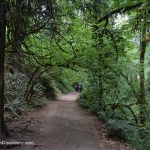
62 125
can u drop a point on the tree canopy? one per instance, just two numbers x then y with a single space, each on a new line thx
47 45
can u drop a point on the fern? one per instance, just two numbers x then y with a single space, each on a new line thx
39 89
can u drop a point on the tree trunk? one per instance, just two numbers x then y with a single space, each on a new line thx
26 94
16 36
143 44
2 54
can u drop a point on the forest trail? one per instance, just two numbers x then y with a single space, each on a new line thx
63 125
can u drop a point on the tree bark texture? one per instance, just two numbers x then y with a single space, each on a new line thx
2 55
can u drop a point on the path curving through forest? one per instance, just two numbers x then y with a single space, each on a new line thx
63 125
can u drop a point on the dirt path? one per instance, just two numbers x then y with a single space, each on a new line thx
63 125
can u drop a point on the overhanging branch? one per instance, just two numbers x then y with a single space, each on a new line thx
120 10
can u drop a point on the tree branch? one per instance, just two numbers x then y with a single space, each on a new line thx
120 10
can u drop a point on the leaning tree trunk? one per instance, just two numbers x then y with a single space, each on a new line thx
143 44
2 54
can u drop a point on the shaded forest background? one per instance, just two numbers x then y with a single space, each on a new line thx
47 45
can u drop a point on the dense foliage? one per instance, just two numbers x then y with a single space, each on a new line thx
48 45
